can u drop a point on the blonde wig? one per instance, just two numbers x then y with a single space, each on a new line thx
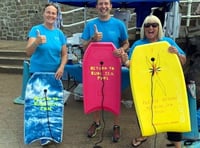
152 19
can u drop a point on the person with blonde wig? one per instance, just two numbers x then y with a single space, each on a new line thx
151 31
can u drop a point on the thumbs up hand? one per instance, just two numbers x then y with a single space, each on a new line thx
97 35
95 28
41 39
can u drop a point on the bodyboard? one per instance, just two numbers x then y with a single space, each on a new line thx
25 78
194 133
159 90
43 108
101 78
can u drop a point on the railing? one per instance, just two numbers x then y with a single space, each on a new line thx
72 11
85 20
188 16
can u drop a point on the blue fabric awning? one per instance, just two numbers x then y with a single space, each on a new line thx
115 3
142 7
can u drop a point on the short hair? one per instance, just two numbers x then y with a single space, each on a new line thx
152 19
51 4
98 0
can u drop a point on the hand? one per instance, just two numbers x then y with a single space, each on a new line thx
124 57
41 39
59 73
118 52
181 57
172 49
97 35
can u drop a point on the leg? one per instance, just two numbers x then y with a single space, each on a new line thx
175 138
93 129
139 140
177 144
116 119
116 129
96 116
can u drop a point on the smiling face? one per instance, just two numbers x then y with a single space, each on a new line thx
50 15
151 30
104 7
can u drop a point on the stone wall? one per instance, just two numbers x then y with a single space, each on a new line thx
18 16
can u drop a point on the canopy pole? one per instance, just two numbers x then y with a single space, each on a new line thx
85 15
176 13
189 12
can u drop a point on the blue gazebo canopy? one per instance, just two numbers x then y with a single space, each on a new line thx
115 3
142 7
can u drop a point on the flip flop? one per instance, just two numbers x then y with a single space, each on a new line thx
138 141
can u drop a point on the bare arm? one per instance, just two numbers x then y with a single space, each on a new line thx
61 68
34 42
181 57
124 47
31 46
125 59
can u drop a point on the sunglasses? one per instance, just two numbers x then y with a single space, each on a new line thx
154 25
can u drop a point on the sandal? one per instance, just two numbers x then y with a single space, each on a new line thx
138 141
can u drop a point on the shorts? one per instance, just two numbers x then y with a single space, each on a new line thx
174 136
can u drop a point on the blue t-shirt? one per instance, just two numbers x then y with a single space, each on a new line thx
113 30
47 56
145 41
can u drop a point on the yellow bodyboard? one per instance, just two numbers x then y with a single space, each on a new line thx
159 89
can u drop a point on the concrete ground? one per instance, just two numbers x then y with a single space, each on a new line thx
76 122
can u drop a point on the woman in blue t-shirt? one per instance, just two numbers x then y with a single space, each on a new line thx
47 45
151 31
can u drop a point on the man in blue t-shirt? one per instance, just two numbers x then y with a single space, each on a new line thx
106 29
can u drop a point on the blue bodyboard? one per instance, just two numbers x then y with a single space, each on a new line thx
194 133
43 108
